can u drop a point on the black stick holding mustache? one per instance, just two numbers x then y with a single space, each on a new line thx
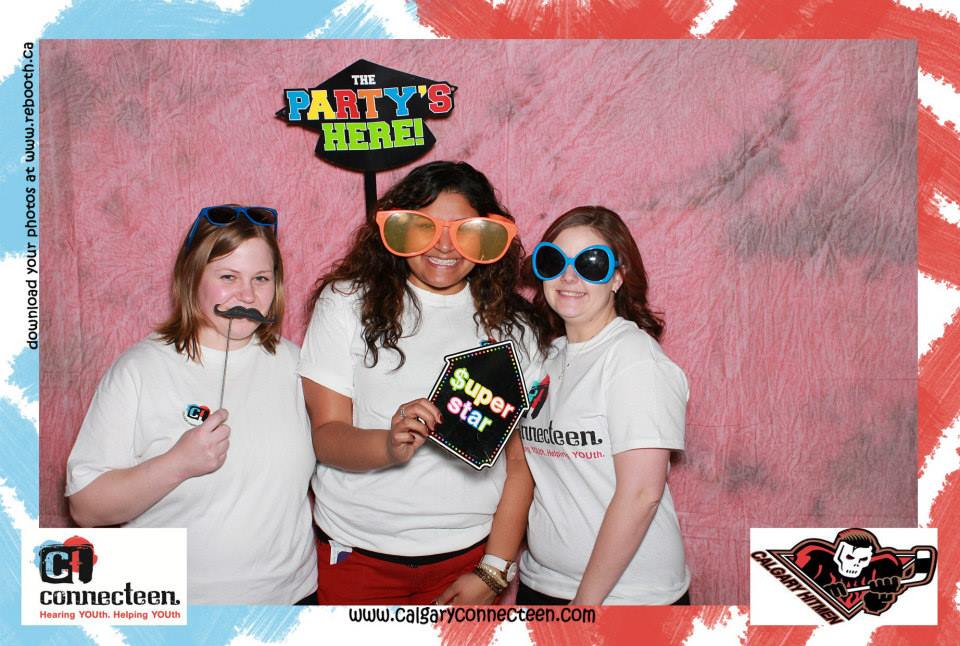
236 312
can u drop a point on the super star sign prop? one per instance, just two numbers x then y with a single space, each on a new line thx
481 396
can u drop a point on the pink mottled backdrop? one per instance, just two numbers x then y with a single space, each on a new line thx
771 186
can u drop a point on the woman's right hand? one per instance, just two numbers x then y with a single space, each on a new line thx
119 495
203 449
409 428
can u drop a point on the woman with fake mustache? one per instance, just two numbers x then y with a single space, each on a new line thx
151 453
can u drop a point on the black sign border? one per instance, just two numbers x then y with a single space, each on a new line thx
448 366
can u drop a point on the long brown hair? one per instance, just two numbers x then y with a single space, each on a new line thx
182 327
630 301
381 277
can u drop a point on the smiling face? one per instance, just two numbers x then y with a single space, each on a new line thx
584 307
442 269
244 277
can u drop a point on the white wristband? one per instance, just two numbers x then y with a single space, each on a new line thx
496 562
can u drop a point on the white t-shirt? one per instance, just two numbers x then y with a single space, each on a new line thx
249 534
618 391
434 503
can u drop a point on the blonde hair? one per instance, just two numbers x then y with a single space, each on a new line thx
182 327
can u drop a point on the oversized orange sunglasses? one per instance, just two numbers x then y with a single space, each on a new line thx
478 239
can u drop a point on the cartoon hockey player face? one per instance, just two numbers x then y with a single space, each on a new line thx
851 560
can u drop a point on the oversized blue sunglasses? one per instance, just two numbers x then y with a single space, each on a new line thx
226 214
595 264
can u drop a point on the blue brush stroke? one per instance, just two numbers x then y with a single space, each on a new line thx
159 19
26 374
18 440
19 457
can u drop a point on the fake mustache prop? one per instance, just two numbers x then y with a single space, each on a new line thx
236 312
239 312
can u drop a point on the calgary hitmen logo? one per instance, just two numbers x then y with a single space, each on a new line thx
851 574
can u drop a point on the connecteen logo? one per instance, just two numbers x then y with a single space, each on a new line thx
195 414
134 576
538 395
63 562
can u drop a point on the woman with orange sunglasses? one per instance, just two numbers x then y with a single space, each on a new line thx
432 272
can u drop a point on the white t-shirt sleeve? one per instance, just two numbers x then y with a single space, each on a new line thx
325 356
646 406
106 438
530 358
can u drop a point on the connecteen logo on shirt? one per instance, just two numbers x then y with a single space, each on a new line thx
538 395
195 414
553 442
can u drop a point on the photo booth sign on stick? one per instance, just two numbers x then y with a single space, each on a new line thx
370 117
481 396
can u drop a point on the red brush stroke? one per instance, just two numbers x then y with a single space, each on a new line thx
938 160
937 36
480 632
945 516
938 245
938 153
660 626
559 19
936 259
939 389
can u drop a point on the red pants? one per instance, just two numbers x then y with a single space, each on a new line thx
362 580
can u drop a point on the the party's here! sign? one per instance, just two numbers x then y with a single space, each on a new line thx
370 117
481 396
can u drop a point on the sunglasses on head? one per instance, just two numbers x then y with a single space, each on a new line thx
478 239
595 264
226 214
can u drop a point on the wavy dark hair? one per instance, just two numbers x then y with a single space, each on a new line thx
381 277
630 301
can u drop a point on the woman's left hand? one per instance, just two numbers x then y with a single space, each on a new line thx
468 590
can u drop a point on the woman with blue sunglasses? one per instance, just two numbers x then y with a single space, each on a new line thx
178 436
605 415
